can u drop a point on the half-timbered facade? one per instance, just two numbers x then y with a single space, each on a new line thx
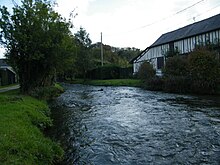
184 40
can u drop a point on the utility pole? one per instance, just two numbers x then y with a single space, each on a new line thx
101 50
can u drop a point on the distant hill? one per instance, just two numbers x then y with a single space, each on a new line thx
114 55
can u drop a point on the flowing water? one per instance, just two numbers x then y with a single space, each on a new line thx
126 125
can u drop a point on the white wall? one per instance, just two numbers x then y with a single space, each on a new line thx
184 46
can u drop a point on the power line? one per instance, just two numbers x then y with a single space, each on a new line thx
163 19
191 18
178 12
204 12
194 17
188 7
101 51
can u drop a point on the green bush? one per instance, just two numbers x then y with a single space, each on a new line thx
177 84
110 72
46 93
155 83
176 66
204 71
146 71
176 75
198 74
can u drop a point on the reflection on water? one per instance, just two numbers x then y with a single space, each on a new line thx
125 125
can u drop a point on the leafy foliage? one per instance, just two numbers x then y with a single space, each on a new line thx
172 53
113 55
84 58
46 93
204 71
199 72
176 66
110 72
146 71
35 37
128 53
176 84
155 83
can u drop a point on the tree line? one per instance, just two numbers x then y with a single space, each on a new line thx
40 45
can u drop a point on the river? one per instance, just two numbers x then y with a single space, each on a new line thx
129 126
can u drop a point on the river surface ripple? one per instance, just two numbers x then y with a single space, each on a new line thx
126 125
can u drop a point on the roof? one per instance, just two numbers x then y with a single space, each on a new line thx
206 25
210 24
4 65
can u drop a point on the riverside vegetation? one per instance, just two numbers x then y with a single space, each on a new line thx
22 124
197 73
111 82
40 47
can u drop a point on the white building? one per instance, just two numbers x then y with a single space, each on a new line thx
184 39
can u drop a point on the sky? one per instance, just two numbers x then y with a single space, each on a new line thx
131 23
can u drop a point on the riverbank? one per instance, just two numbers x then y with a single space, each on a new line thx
111 82
22 123
156 84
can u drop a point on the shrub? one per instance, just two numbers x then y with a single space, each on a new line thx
146 71
110 72
176 66
176 84
204 71
172 53
155 83
105 72
46 93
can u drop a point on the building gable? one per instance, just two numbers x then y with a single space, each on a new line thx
194 29
184 40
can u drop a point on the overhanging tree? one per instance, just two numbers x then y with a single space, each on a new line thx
33 36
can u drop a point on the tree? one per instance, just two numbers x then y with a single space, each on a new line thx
172 53
176 66
84 59
33 36
146 71
67 58
204 69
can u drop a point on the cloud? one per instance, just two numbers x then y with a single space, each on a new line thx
134 22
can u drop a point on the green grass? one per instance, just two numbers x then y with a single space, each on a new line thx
22 122
47 93
59 87
112 82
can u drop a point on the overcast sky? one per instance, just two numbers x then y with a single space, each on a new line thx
132 23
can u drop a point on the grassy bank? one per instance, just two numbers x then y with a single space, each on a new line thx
111 82
23 120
